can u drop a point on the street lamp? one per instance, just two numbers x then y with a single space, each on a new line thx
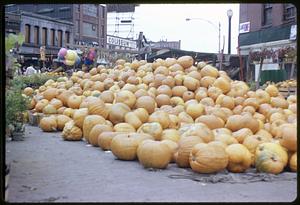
217 27
229 14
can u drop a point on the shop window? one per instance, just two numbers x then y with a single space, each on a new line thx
267 14
52 39
36 35
67 37
59 38
44 36
89 29
27 33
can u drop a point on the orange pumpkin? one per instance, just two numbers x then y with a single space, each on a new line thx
239 158
71 131
61 120
48 124
96 131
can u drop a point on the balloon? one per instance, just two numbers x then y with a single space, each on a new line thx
71 55
62 52
69 63
88 62
78 60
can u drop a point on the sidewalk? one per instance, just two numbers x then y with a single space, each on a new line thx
44 168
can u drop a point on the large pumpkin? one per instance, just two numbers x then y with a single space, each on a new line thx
161 117
50 93
104 139
41 104
147 103
48 124
185 146
71 132
195 110
89 122
198 129
288 137
124 127
173 147
154 154
118 112
293 162
64 96
211 121
227 139
124 146
185 61
152 128
126 97
96 131
208 158
74 101
133 119
270 158
56 103
49 109
170 134
241 134
79 116
61 121
239 158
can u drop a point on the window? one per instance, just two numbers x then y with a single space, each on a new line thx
44 36
103 11
27 33
59 41
67 37
289 11
267 14
102 30
90 10
77 27
52 40
36 35
89 29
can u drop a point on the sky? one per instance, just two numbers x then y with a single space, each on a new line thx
167 22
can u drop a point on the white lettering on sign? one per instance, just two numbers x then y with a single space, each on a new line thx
244 27
112 40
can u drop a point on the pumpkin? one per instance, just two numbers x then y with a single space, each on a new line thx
170 134
124 127
262 96
64 96
71 131
185 118
179 90
132 119
288 137
107 96
207 81
272 90
28 91
195 110
146 102
124 146
160 117
251 142
69 112
162 99
48 124
208 158
197 129
185 146
191 83
270 158
104 139
142 114
173 147
79 116
185 61
209 70
154 154
89 122
126 97
293 162
49 109
278 102
225 101
56 103
97 107
241 134
74 101
118 112
61 110
152 128
223 84
41 104
227 139
61 120
214 92
239 158
96 131
221 131
211 121
50 93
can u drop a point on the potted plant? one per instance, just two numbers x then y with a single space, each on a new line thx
16 105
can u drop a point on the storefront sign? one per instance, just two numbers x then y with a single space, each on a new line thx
244 27
117 41
293 34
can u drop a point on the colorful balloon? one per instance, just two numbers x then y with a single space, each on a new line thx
71 55
69 62
62 52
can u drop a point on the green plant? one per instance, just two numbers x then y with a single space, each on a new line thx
15 105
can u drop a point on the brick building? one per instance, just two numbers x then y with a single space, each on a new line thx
90 26
272 27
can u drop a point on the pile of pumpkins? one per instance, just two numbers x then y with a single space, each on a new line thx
173 110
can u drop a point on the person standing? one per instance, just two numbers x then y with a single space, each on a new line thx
30 70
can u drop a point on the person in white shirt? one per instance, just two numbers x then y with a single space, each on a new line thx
30 70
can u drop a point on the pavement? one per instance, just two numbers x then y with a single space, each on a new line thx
45 168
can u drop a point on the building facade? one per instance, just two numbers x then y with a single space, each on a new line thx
266 25
166 44
272 28
38 31
90 26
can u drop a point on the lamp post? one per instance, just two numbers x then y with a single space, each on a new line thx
217 27
229 14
